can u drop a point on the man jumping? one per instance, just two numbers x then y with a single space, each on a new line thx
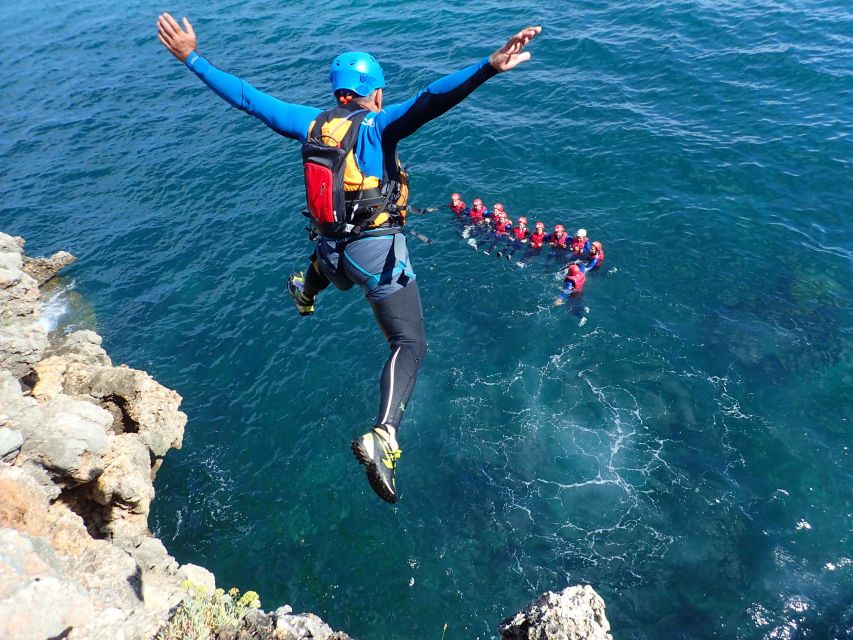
359 238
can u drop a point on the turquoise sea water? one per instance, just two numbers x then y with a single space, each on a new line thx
686 452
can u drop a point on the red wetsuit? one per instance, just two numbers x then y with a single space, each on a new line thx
502 227
521 233
476 214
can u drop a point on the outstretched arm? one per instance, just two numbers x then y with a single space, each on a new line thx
401 120
290 120
568 287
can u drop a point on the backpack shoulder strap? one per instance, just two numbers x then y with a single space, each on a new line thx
348 141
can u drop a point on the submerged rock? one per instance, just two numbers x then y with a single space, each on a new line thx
576 613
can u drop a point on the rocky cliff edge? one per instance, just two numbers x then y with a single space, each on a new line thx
80 443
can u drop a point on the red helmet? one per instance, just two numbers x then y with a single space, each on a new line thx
498 207
500 213
559 229
574 270
522 220
455 196
597 245
478 202
540 226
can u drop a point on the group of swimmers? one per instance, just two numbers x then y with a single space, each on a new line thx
582 254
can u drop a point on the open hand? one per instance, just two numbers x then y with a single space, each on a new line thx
510 55
180 43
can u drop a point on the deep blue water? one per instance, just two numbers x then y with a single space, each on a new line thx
686 451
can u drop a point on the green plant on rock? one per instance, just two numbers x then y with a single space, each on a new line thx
201 612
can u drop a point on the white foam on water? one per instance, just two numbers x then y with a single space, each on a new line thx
55 307
840 564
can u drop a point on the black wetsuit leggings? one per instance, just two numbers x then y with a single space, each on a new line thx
401 318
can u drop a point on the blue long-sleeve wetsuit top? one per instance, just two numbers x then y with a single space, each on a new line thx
568 287
379 132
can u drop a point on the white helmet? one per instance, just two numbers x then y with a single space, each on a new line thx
581 233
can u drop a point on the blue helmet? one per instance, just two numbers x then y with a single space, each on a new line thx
357 72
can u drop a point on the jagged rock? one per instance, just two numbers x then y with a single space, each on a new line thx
125 532
12 401
256 625
76 558
83 347
108 574
67 530
11 258
280 625
151 554
147 408
304 626
576 613
22 337
49 373
137 403
67 437
7 242
10 443
110 585
159 592
126 481
43 269
118 501
24 502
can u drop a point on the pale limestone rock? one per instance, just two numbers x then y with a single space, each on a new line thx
576 613
12 401
304 626
49 373
83 347
70 440
198 576
160 592
22 337
126 481
151 555
147 408
10 443
108 574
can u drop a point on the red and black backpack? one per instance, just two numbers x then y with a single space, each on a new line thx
323 161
